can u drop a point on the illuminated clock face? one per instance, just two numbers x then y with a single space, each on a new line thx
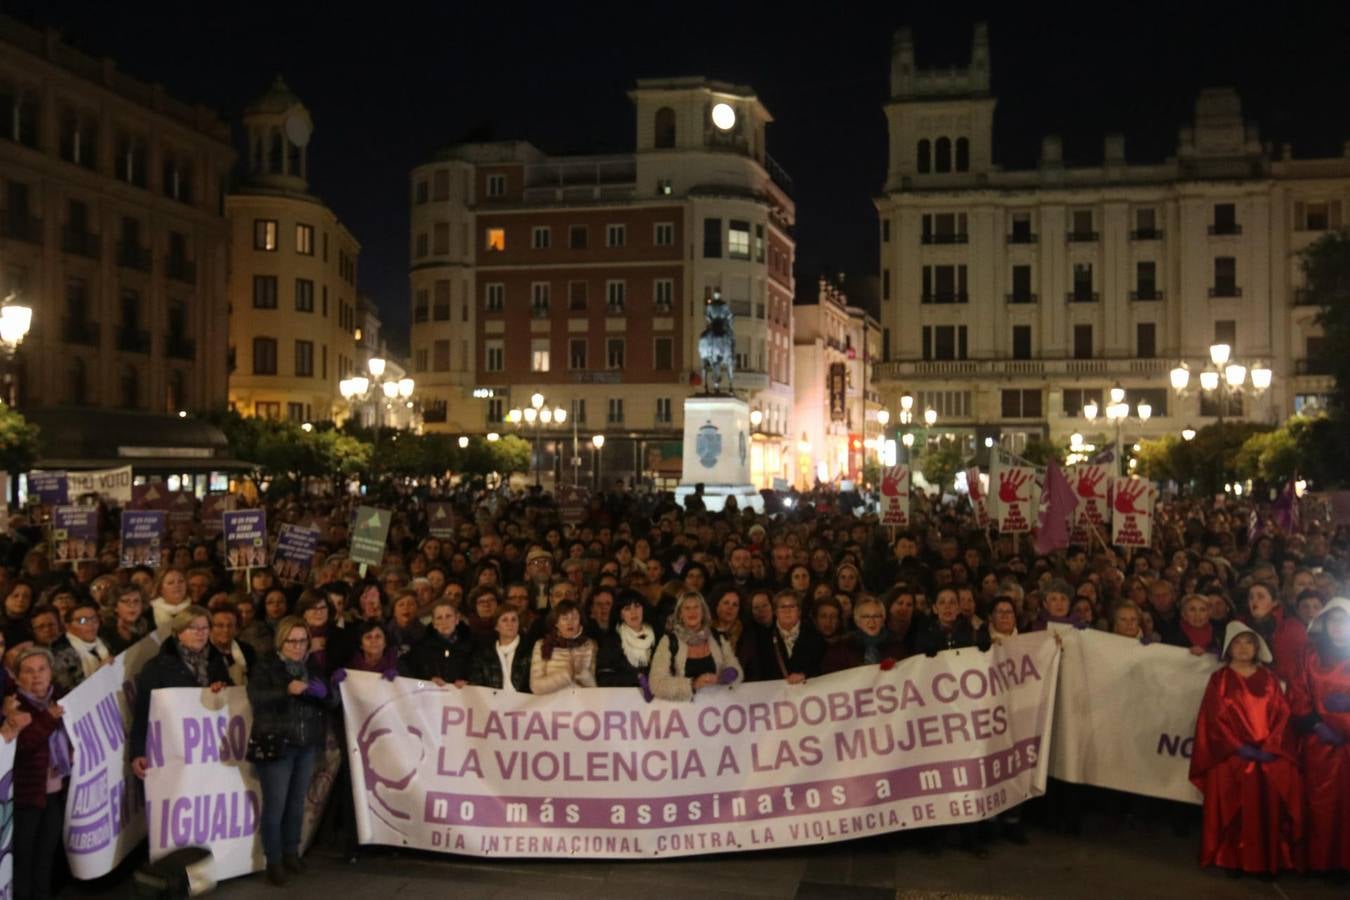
723 116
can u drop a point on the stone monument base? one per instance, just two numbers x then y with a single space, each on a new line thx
716 452
715 496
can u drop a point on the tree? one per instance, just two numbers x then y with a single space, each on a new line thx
1203 464
1326 274
18 441
939 465
1039 451
1303 447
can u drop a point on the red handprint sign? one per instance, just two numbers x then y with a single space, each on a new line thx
895 496
1010 481
1090 478
1126 496
1132 499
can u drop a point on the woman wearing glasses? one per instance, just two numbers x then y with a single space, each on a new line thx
871 644
79 652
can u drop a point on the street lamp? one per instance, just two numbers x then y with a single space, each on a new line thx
376 365
1188 433
463 441
1116 412
598 442
538 414
756 417
930 417
16 317
358 389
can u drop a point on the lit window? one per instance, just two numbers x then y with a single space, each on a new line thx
539 355
358 334
496 239
738 240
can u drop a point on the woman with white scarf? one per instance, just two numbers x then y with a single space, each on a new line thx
80 652
171 598
692 657
626 651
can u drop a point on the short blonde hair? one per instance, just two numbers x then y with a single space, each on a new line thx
183 620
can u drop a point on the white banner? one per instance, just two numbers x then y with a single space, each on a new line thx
7 819
1125 714
599 773
895 497
1018 499
1132 524
105 806
111 484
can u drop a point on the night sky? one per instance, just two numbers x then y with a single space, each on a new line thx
388 86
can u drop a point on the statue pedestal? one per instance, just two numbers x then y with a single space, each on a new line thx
717 453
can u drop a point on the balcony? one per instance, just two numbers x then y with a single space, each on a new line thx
1146 294
80 242
79 331
1225 290
1231 228
441 312
1312 367
1024 238
740 308
945 239
1002 369
133 340
1146 234
945 297
1082 296
1076 237
19 226
538 311
178 347
1019 297
130 256
181 269
614 309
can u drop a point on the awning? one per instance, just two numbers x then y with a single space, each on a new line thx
78 438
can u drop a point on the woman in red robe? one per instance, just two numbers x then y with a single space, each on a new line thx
1320 697
1245 763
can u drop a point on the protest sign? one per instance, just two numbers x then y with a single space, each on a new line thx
245 538
441 520
74 534
213 509
978 496
50 488
142 537
294 553
1125 714
895 496
113 485
574 502
105 805
7 819
1018 499
600 773
1092 484
1132 524
182 510
151 495
370 531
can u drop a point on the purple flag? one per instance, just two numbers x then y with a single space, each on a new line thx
1057 505
1285 509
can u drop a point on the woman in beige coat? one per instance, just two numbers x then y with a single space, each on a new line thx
692 657
565 657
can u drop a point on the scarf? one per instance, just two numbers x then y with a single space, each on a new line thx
386 662
506 654
690 637
789 638
58 745
1199 637
871 646
555 641
295 669
164 611
91 653
197 663
637 645
238 666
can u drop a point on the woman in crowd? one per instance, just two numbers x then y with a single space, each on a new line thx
186 659
42 767
372 654
253 630
1291 637
600 614
692 657
445 653
404 630
828 617
44 624
171 597
224 628
289 697
564 657
18 601
1244 763
504 665
1002 622
866 645
792 649
1128 622
847 580
129 623
625 654
276 606
484 601
947 630
1263 614
1320 697
1197 630
901 617
726 610
79 652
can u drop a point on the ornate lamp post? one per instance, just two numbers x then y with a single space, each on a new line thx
537 415
16 317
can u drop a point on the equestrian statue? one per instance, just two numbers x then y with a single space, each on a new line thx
717 345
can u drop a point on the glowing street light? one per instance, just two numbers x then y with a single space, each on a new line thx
1188 433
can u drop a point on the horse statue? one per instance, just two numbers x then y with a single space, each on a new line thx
717 346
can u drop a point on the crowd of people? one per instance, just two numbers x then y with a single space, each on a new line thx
645 595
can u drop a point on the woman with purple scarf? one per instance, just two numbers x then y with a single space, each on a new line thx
41 770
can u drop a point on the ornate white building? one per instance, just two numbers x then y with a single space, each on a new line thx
1012 298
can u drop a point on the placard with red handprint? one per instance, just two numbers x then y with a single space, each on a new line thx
1132 503
1091 484
978 499
1017 498
895 496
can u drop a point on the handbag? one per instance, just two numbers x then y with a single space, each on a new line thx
264 747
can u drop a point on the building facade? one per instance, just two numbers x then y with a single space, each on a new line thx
293 269
111 230
584 278
1012 298
835 407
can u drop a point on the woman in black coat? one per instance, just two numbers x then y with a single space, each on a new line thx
186 659
444 655
625 653
947 629
504 655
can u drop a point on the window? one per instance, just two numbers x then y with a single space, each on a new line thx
1225 277
539 355
494 297
1317 215
942 152
944 284
663 294
422 246
264 292
496 185
421 305
944 228
738 239
663 411
304 295
962 155
885 231
420 359
885 284
295 412
496 239
1021 285
267 409
304 240
541 237
616 235
494 354
949 404
615 416
759 243
265 234
579 412
924 156
663 137
614 353
1210 403
615 293
1021 404
1082 284
1082 342
1021 342
1146 224
1080 228
539 296
325 300
440 238
442 177
1225 219
440 307
576 237
496 410
1146 280
304 359
1146 340
1154 397
264 356
440 356
1021 229
665 187
1225 332
1076 398
663 234
712 238
663 359
944 342
576 353
421 193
